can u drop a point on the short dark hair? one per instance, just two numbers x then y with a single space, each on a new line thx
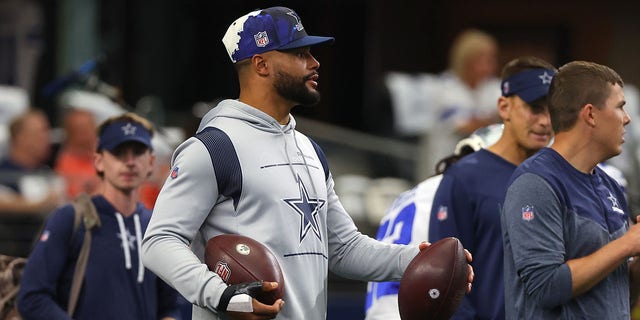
445 163
577 84
520 64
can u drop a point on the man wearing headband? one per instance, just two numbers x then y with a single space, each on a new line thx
466 204
115 285
565 222
248 171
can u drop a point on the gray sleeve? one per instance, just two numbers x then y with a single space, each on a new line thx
533 218
181 207
357 256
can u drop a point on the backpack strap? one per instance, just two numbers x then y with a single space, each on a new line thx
10 274
86 213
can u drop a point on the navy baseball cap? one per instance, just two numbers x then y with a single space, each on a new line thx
119 132
275 28
530 85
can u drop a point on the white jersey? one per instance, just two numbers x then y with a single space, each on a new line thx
406 222
271 183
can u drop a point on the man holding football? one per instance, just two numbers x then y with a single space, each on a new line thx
248 171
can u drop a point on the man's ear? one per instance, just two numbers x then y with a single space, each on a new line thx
587 114
504 106
259 64
97 161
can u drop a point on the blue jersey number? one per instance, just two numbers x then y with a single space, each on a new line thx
397 231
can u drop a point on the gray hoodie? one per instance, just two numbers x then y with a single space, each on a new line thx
271 183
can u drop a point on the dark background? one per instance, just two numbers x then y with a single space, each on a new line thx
173 49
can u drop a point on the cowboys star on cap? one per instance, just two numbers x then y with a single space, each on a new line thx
546 78
128 129
298 25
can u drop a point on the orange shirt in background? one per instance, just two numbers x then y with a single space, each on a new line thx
78 172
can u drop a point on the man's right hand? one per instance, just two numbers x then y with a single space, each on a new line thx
260 310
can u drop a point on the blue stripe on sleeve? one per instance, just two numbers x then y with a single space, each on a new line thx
225 162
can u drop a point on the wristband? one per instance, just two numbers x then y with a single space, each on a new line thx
249 288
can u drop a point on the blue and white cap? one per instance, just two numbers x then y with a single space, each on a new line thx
119 132
275 28
529 85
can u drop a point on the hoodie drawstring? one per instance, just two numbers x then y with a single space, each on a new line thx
125 244
304 160
136 220
286 152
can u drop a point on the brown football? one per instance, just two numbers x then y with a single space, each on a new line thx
434 282
239 259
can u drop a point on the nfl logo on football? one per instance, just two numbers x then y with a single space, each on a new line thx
222 269
527 213
262 40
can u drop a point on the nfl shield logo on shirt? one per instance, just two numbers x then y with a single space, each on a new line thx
442 213
174 172
44 236
527 213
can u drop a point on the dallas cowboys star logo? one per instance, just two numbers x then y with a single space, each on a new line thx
546 78
614 204
129 238
307 209
128 129
298 25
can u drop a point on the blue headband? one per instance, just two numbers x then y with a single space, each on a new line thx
529 85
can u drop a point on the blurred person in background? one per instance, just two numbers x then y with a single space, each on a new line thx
116 285
27 184
466 98
407 221
29 189
468 200
163 147
74 161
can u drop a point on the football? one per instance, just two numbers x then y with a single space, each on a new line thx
434 282
239 259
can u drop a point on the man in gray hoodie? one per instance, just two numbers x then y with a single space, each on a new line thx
248 171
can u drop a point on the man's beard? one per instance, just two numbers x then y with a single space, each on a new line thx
295 89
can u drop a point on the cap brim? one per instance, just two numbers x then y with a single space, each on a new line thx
115 144
532 94
307 41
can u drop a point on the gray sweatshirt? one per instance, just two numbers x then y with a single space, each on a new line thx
271 183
